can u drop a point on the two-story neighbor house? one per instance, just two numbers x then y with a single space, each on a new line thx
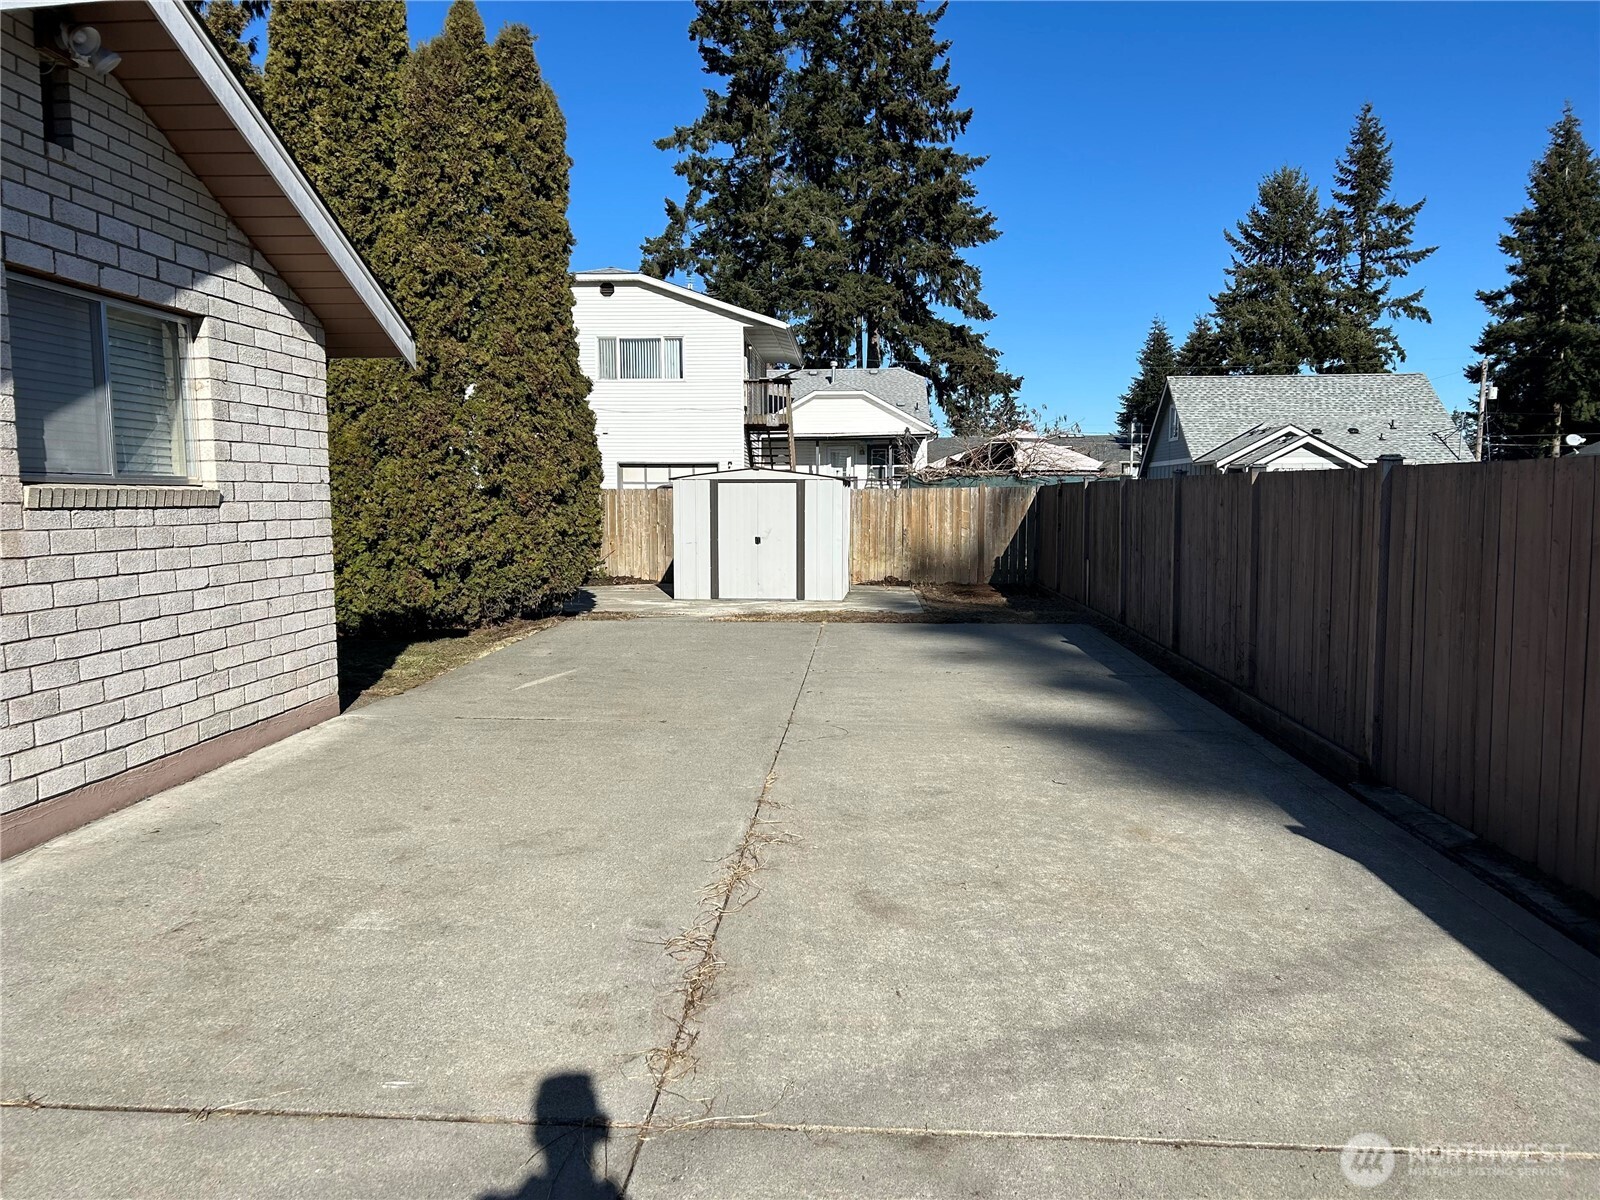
1219 423
684 383
172 290
675 373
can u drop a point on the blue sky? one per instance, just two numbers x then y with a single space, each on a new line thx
1123 138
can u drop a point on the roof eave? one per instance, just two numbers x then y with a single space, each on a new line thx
388 327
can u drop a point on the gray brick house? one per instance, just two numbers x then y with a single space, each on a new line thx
172 290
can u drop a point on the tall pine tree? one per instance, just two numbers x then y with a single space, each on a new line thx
1543 339
1157 360
1272 317
1201 353
738 229
824 180
1370 250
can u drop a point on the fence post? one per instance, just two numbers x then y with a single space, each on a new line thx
1377 642
1177 558
1253 575
1122 552
1083 548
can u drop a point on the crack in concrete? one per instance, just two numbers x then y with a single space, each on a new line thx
736 1124
697 945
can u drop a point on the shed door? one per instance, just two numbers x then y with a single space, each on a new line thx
757 547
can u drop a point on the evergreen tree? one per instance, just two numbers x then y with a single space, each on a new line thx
1157 360
738 229
824 182
1272 317
226 21
1201 352
331 89
465 491
1370 251
1543 339
532 398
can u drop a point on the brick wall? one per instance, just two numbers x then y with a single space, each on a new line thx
134 626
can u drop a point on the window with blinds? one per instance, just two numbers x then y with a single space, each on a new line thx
99 387
641 358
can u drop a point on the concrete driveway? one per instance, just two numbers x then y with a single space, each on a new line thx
753 909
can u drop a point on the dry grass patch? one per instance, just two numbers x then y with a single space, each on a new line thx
373 668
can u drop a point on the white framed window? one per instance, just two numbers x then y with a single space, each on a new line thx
1172 428
99 384
641 358
655 475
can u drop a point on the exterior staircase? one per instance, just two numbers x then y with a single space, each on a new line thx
766 447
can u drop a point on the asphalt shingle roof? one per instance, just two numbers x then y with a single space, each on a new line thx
904 389
1363 415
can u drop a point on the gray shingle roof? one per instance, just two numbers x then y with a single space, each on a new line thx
944 447
904 389
1363 415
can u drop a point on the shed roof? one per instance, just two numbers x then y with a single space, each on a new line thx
171 69
1363 415
764 474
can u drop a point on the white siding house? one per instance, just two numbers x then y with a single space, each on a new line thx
166 567
868 425
670 368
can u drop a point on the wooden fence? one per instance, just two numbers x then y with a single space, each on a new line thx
918 535
1430 624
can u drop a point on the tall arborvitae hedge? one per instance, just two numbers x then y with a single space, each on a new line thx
467 490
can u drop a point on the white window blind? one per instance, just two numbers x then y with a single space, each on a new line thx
640 357
99 387
143 369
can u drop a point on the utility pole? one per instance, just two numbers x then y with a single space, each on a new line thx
1483 403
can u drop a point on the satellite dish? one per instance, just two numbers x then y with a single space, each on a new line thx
1575 439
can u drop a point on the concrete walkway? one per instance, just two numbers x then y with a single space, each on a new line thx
648 600
772 909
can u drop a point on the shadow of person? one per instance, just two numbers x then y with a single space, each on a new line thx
568 1129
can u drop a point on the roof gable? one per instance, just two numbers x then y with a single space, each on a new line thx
1365 416
898 386
877 402
174 73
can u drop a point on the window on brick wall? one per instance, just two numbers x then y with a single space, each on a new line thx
99 387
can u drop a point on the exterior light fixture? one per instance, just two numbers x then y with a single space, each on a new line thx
82 44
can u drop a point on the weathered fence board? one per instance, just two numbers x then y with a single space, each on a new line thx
1440 625
636 533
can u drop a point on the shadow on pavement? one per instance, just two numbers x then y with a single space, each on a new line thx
1561 989
569 1131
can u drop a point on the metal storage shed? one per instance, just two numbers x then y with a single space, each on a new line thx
760 535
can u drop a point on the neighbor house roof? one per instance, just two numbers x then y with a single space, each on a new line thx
904 389
1365 416
770 335
172 71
